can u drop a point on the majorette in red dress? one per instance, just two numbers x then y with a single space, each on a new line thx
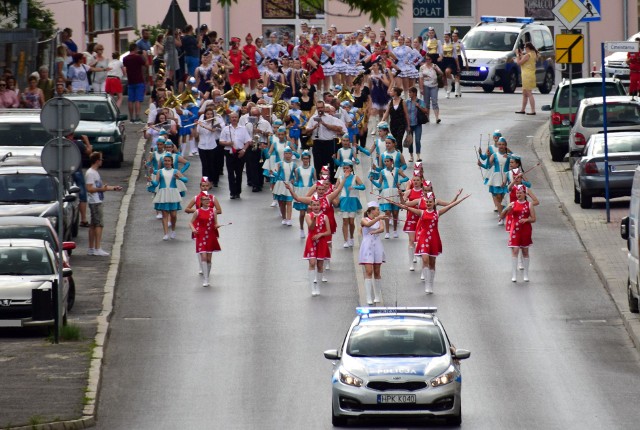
427 236
520 234
207 233
318 249
412 219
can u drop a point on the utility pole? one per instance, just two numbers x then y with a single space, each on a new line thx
23 13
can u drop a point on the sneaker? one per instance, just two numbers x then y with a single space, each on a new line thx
386 236
165 237
205 283
422 276
158 216
100 252
501 221
326 265
288 222
284 222
346 244
351 243
302 235
91 251
274 204
172 235
395 234
412 268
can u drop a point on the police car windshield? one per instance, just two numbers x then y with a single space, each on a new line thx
490 40
396 341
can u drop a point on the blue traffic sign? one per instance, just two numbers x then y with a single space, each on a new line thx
593 6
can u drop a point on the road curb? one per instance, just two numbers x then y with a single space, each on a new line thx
630 321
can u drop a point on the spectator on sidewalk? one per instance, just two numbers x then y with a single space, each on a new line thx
96 190
45 83
8 99
134 65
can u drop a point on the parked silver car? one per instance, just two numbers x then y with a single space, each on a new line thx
589 171
396 362
27 265
623 114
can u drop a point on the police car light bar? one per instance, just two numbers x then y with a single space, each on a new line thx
520 19
396 310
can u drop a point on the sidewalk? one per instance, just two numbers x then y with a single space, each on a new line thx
605 248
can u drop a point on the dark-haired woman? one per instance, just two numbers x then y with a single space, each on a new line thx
527 62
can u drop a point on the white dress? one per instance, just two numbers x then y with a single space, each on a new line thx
371 249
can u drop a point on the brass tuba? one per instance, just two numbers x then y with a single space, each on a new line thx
186 96
344 95
236 93
280 107
172 101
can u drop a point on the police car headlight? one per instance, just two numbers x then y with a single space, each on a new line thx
446 378
502 60
105 139
348 379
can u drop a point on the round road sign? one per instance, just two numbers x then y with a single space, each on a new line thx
71 157
68 120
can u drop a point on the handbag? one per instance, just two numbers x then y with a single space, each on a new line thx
441 80
408 140
422 117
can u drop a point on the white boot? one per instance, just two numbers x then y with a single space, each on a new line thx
368 289
432 277
377 290
205 274
448 88
426 273
422 272
411 259
199 264
326 265
525 263
458 93
514 269
312 276
520 264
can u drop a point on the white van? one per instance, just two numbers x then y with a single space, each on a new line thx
630 231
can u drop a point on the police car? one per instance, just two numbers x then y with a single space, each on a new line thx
491 47
396 361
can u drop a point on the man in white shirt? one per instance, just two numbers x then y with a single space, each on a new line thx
95 197
324 129
235 140
260 129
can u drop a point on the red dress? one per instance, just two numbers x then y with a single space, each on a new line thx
236 76
634 71
412 219
318 74
520 234
509 218
252 71
427 236
206 234
318 249
327 208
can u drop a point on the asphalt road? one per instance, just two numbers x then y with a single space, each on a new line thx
246 353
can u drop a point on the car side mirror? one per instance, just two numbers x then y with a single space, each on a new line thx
70 198
66 272
461 354
624 228
331 354
546 108
74 190
122 117
68 246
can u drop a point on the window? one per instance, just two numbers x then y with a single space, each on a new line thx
103 16
538 40
459 7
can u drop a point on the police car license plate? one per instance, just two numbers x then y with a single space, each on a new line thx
396 398
469 73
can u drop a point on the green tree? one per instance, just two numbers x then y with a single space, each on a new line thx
378 10
39 17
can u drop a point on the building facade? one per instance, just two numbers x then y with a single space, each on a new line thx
619 18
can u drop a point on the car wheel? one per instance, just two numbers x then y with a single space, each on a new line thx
337 420
510 85
71 300
547 84
576 195
557 154
586 201
488 88
633 302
